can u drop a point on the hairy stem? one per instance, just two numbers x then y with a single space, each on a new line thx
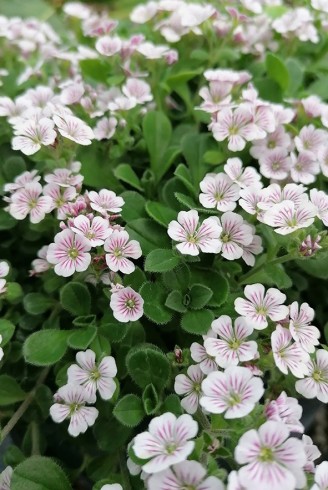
24 406
278 260
124 472
203 420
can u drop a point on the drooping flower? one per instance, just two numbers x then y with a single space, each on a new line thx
237 127
218 191
29 201
127 305
272 461
119 248
286 218
300 326
234 235
96 230
73 128
69 253
312 453
32 134
275 194
288 355
310 245
70 403
72 93
321 477
261 305
232 345
182 476
105 201
233 392
40 264
167 441
93 376
254 248
285 409
195 237
315 385
190 385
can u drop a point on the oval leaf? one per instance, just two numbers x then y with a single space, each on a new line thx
39 473
161 260
46 347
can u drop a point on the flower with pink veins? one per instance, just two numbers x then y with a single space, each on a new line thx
96 230
244 177
40 264
167 441
218 191
275 193
60 196
108 45
288 355
254 248
312 106
190 386
235 234
74 129
70 403
278 139
310 139
105 201
249 199
126 304
232 346
285 409
312 453
143 13
28 201
261 305
320 200
69 253
64 178
321 475
215 96
233 392
105 128
193 236
275 164
272 460
234 482
315 385
32 134
310 245
300 326
21 180
72 93
285 217
182 476
136 89
323 159
93 376
304 167
5 478
237 126
198 354
119 248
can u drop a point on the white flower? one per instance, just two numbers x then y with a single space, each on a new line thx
218 191
286 218
190 385
74 129
32 134
316 384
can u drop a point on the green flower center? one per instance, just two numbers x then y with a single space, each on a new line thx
317 375
90 234
170 447
192 238
266 454
225 238
117 252
130 303
233 130
33 203
95 374
73 408
59 202
261 310
276 166
73 253
218 196
271 144
234 344
234 399
197 387
292 222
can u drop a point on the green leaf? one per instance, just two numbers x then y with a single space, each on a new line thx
215 282
10 391
182 76
75 298
39 473
84 320
13 166
97 70
269 89
14 292
81 339
316 267
277 70
129 410
34 8
174 301
214 157
114 332
160 213
7 222
187 201
296 75
37 303
178 279
149 234
154 297
194 147
135 279
161 260
157 131
172 404
100 346
146 365
183 175
46 347
125 172
197 322
150 400
119 435
7 330
199 296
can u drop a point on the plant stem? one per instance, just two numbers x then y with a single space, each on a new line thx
203 420
124 472
35 439
24 406
278 260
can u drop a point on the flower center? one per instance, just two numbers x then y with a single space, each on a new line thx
117 252
130 303
73 253
225 238
59 202
170 447
266 454
317 375
271 144
292 222
234 344
95 375
218 196
261 310
91 234
192 238
73 408
197 388
275 165
233 130
298 167
33 203
234 399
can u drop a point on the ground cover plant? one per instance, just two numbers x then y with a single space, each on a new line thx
164 249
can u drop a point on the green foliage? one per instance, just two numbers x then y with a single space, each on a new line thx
160 260
147 365
154 297
75 298
39 473
129 410
10 391
46 347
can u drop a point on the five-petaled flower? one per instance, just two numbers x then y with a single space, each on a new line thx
127 304
315 385
119 247
190 385
69 253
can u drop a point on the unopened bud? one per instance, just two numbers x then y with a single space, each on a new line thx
309 246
